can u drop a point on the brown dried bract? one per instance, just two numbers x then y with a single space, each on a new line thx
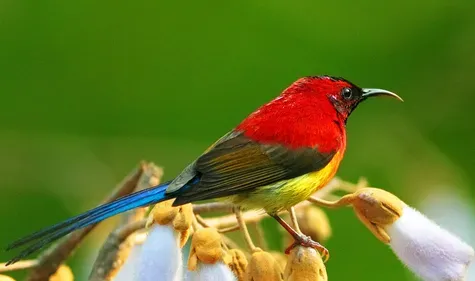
305 264
377 208
237 262
205 247
263 267
179 217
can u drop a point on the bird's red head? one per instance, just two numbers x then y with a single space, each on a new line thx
343 95
310 112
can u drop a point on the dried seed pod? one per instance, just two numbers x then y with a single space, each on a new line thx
205 261
182 222
263 267
377 208
237 262
305 264
63 273
179 217
314 222
205 247
162 213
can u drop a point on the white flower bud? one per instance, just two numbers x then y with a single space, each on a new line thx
428 250
161 257
127 270
205 262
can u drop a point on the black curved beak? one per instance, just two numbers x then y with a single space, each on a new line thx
379 92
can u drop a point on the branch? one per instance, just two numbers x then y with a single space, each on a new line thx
114 252
230 220
117 246
261 240
293 219
143 177
213 207
54 256
243 227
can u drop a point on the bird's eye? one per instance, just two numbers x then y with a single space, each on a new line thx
347 93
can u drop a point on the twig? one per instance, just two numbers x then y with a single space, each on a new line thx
201 221
293 219
213 207
125 231
204 223
24 264
230 220
331 197
117 246
150 177
194 224
52 258
229 229
339 184
242 225
114 252
324 198
229 243
260 235
343 201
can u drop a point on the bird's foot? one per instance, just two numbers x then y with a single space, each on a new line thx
306 241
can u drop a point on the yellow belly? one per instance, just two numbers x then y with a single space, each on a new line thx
285 194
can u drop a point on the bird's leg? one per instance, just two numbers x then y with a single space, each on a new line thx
301 239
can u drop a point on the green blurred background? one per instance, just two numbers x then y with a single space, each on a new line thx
90 88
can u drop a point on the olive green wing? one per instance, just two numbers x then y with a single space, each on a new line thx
237 164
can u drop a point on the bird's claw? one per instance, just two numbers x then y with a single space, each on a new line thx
306 241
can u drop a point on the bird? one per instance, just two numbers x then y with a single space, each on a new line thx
278 156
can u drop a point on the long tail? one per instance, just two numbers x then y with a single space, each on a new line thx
47 235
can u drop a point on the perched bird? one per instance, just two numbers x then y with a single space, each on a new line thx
277 157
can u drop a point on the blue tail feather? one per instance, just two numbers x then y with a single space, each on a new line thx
45 236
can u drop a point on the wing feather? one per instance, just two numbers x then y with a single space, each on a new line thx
237 164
